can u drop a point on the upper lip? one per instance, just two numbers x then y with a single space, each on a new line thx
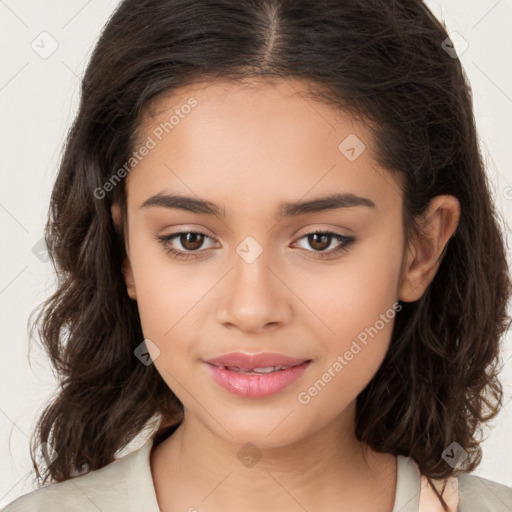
261 360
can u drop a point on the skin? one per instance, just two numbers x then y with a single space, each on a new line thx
247 149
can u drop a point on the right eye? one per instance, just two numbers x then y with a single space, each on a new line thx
191 241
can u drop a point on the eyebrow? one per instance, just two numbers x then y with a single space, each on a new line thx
286 209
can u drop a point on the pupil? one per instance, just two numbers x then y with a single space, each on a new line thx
195 245
315 245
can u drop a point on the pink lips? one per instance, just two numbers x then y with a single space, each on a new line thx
254 385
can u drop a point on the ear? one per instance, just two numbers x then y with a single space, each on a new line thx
423 256
115 211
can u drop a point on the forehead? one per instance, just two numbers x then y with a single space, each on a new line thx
260 140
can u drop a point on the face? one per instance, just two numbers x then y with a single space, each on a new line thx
254 277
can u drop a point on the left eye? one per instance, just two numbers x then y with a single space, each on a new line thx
192 241
318 240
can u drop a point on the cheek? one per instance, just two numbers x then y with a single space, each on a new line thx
352 353
171 299
161 289
357 292
167 296
356 305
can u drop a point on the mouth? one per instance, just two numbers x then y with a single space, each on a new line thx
263 362
256 382
261 370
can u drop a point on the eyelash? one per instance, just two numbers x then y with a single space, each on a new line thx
165 239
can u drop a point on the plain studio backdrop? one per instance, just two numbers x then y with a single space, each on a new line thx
39 92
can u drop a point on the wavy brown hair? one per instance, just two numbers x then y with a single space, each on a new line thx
380 60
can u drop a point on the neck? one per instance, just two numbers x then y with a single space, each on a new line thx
195 467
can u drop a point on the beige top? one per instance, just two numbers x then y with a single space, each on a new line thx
126 485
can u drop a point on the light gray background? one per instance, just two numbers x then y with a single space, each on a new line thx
38 98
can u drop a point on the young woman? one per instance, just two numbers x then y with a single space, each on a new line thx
277 252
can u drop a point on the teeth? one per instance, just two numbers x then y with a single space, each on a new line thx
269 369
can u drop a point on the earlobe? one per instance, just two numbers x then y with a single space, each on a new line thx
424 254
115 211
128 277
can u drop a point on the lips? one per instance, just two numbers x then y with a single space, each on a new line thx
239 361
254 383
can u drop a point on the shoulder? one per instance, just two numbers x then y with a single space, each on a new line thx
102 489
473 493
478 494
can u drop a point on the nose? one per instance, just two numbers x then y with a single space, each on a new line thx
254 296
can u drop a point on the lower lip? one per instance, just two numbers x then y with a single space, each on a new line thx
256 385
